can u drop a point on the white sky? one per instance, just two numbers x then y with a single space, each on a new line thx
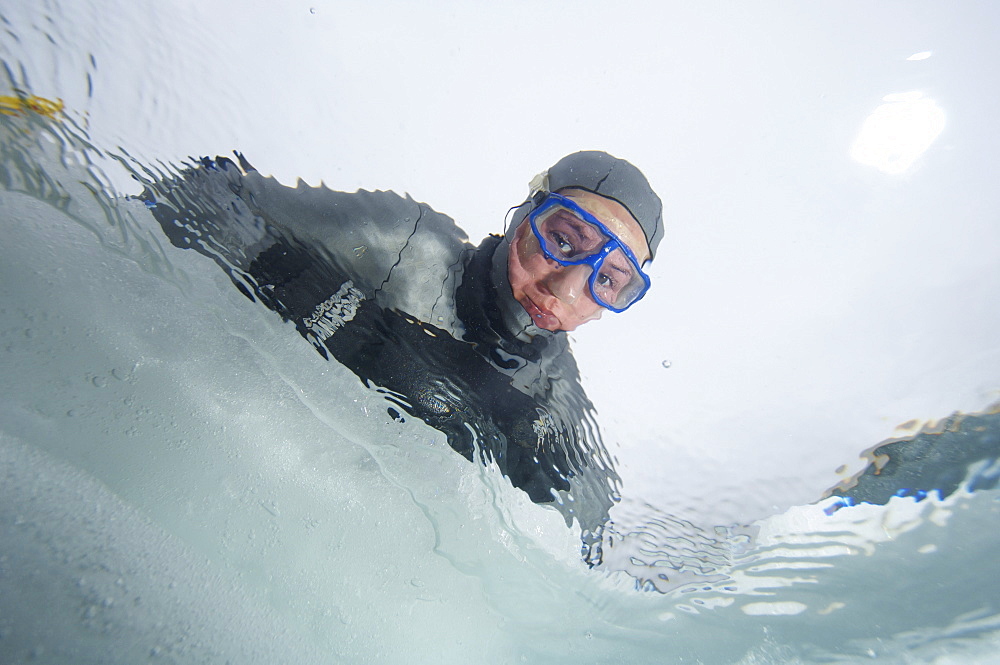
808 302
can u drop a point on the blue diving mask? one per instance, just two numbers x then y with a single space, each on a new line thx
569 235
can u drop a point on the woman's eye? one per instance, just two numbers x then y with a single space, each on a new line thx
605 281
563 244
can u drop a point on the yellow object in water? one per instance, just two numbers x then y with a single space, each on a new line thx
21 104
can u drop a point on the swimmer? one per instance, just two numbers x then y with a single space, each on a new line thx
469 339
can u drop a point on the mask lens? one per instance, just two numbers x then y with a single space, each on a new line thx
567 236
618 282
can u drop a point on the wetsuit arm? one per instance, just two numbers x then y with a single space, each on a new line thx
217 209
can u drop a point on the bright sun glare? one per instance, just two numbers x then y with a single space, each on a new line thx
898 132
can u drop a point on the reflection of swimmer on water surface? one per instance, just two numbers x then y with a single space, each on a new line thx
471 340
958 452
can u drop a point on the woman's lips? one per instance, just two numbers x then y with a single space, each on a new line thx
543 318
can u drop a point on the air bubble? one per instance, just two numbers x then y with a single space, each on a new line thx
666 364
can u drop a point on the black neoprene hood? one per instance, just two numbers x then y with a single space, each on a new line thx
616 179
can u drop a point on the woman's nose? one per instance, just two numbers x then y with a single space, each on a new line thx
569 283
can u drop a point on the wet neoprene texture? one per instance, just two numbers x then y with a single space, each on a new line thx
393 290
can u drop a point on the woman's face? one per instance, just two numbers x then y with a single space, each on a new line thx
558 297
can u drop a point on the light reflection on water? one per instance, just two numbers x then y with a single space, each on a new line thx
202 465
901 129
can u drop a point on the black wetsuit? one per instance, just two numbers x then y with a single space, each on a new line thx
392 290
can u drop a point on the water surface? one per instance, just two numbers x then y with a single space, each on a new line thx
185 480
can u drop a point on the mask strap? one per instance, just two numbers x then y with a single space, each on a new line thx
538 189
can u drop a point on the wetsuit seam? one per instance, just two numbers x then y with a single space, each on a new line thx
600 182
462 260
399 257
